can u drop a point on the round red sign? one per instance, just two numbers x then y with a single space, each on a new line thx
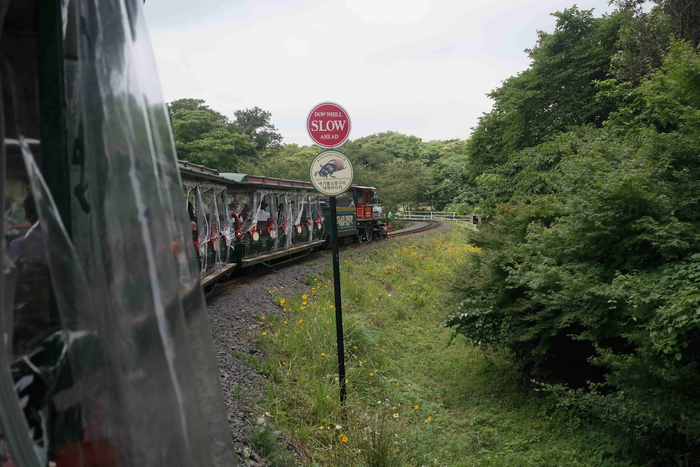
328 125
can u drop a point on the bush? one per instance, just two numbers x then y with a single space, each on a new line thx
594 282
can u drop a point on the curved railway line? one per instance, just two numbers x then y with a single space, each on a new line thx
427 225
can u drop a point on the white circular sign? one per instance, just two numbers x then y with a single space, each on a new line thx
331 173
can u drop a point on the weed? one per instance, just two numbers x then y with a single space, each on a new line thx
246 399
267 442
378 446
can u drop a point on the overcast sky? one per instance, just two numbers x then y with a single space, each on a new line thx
418 67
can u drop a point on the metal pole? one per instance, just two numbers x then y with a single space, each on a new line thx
338 305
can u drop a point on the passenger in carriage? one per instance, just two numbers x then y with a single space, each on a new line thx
193 228
193 222
263 217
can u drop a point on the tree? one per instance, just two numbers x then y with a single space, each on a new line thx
195 104
647 35
588 269
451 186
409 148
557 91
255 123
401 184
217 149
291 162
202 136
370 157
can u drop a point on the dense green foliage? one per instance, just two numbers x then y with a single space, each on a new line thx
407 172
589 269
204 136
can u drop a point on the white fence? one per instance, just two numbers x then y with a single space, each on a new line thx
462 220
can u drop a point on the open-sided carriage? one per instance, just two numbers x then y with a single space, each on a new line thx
241 221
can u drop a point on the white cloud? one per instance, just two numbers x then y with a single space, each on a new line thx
415 67
297 47
389 11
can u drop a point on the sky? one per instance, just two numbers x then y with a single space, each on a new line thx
416 67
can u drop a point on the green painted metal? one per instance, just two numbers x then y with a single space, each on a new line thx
346 221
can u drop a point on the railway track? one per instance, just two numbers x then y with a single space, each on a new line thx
427 225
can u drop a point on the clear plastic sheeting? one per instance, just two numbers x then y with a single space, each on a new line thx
300 234
215 226
229 225
118 367
210 227
255 236
237 222
317 217
287 219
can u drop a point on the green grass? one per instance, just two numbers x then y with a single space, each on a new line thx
412 400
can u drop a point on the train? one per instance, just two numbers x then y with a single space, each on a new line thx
240 221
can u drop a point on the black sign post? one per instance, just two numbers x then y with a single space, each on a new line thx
338 303
331 173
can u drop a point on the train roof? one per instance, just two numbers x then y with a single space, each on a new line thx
259 181
246 179
208 173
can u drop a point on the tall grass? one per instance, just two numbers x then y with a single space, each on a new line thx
412 399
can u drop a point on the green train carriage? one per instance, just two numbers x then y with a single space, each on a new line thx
245 221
